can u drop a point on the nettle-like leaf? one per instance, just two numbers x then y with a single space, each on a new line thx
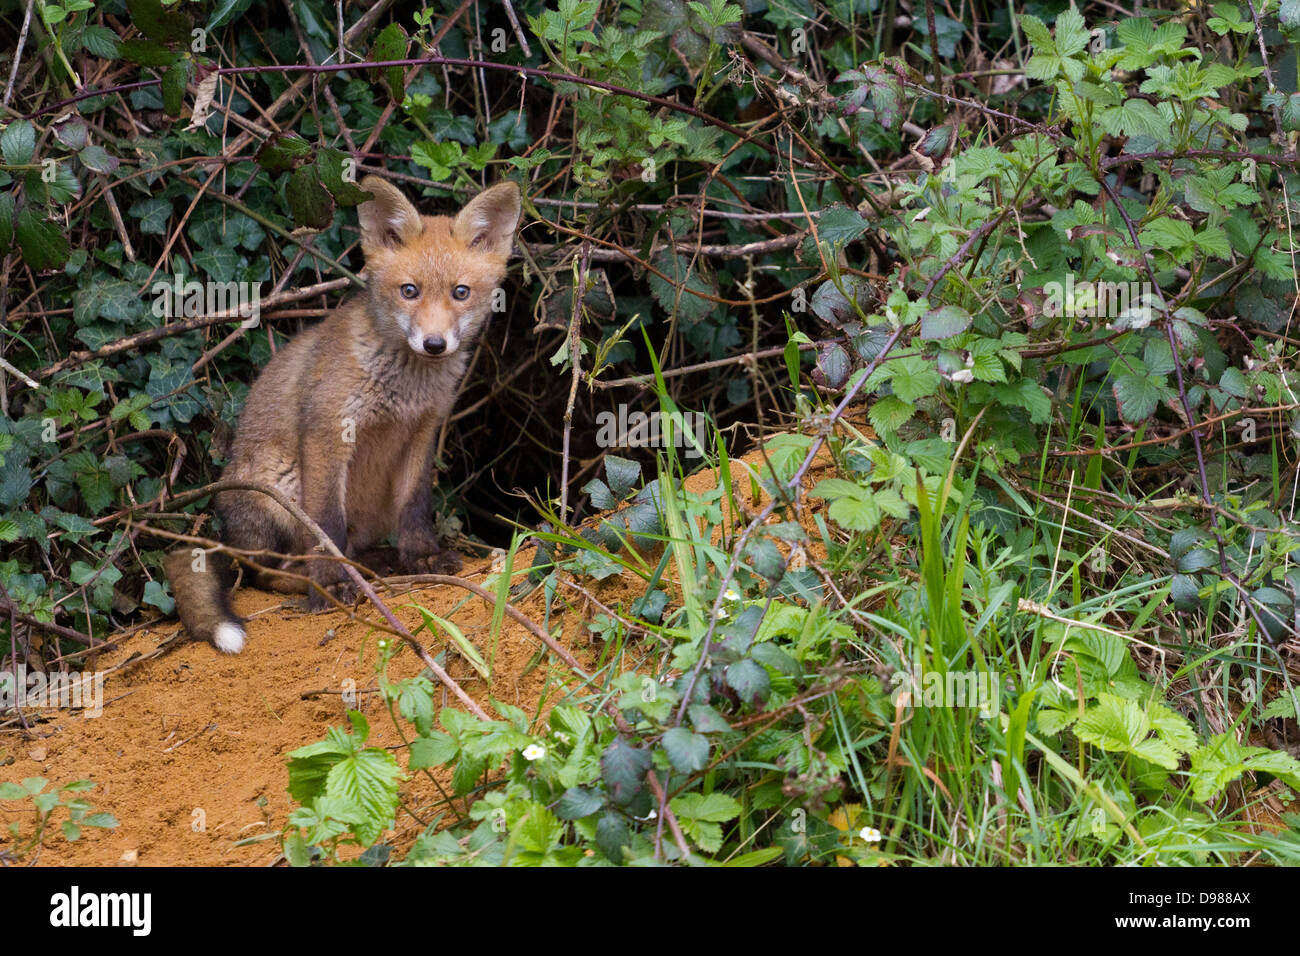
1228 18
164 24
687 751
1054 56
284 152
1138 396
309 201
912 377
701 817
1121 725
1217 190
1144 43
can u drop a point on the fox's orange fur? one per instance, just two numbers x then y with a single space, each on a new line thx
344 419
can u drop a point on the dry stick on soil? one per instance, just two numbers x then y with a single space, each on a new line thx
362 584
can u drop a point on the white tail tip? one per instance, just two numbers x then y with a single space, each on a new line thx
229 638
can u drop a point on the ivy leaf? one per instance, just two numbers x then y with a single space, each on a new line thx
153 214
156 595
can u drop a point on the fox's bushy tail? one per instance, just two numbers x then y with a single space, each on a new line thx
201 586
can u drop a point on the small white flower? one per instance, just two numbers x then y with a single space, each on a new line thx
732 595
963 375
870 834
723 614
534 752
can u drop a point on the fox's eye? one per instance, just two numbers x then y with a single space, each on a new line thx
460 293
410 290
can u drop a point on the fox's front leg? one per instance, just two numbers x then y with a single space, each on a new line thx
323 458
417 544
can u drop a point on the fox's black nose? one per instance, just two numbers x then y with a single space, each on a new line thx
435 344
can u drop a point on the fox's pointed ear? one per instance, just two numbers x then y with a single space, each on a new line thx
487 223
387 221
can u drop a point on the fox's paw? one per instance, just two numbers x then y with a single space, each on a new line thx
439 562
345 592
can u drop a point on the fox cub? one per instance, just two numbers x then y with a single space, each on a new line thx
344 419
